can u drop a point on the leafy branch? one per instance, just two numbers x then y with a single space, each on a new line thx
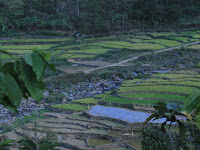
23 78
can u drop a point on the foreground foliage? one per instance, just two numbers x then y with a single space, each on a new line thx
23 78
190 110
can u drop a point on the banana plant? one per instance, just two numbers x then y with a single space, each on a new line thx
192 107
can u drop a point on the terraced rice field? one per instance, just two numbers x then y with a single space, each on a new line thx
169 87
92 48
75 131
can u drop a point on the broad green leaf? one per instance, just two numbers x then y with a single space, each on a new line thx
51 66
161 108
28 144
191 102
34 60
5 144
38 65
47 146
149 118
1 88
174 106
7 67
45 55
21 83
197 113
34 87
28 59
8 105
12 89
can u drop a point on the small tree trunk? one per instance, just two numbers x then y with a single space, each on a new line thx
174 148
167 3
123 22
78 11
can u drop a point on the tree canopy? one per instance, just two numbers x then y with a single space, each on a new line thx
92 16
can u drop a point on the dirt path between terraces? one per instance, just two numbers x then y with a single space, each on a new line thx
135 58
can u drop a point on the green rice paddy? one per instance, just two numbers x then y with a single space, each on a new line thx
26 47
165 42
82 56
163 34
36 40
72 107
180 39
152 90
174 76
155 95
19 51
147 46
159 88
65 56
197 47
90 48
86 101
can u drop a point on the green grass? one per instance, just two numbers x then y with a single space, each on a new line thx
72 107
136 40
188 32
86 101
90 50
82 56
174 76
174 82
155 95
100 39
181 81
26 47
169 43
159 88
65 56
56 52
185 71
132 81
113 44
75 46
145 37
36 40
196 36
180 39
18 51
120 100
147 46
197 47
163 34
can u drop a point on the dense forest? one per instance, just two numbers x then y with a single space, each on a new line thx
97 16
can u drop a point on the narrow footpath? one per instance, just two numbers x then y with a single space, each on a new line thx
135 58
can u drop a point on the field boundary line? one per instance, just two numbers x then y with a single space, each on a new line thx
137 57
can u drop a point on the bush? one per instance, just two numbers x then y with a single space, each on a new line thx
154 139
